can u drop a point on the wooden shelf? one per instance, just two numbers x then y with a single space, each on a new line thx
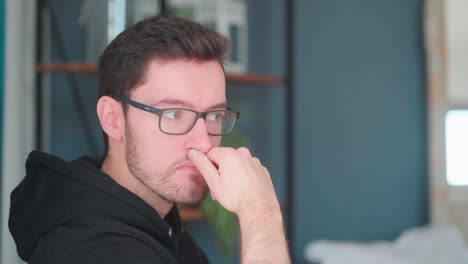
190 214
253 78
92 68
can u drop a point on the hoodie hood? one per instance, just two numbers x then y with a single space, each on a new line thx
55 191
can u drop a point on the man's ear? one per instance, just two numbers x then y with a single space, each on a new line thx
111 117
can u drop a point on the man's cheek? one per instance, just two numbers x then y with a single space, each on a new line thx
216 141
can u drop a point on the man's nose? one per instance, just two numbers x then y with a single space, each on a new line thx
198 137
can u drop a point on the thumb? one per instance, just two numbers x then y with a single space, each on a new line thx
206 168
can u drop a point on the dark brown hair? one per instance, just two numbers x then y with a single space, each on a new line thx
124 62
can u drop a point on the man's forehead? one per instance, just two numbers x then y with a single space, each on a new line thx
188 84
175 101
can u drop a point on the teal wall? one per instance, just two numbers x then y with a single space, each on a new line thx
361 120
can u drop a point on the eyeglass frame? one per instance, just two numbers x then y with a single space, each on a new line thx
159 111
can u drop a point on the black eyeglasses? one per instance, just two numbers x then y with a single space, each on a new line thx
179 121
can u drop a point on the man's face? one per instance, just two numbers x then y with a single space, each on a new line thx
159 160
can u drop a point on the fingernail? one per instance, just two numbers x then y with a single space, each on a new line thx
193 154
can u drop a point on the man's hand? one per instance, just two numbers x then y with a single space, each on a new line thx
243 186
239 181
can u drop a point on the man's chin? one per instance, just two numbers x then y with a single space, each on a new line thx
191 195
185 189
192 201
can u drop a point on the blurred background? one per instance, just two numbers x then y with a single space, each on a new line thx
358 108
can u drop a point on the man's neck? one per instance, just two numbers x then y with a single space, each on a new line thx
119 171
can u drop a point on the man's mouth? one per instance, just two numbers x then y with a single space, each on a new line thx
188 167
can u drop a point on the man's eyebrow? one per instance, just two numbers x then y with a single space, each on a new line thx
173 101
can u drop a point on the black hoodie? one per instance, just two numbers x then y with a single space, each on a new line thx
71 212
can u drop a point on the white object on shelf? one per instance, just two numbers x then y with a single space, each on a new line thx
228 17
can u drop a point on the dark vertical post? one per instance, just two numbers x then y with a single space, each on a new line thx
290 122
39 128
163 6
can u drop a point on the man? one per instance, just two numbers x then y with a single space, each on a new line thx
163 110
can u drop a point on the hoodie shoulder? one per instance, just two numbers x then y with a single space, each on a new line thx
37 160
56 192
33 208
99 239
116 242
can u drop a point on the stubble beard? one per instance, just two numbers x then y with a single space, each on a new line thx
159 182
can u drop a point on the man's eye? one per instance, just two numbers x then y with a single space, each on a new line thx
215 117
173 114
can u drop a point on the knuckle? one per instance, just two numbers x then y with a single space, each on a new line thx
231 151
244 150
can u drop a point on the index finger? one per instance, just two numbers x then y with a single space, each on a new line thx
206 168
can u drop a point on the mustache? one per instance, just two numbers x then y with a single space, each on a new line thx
180 162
